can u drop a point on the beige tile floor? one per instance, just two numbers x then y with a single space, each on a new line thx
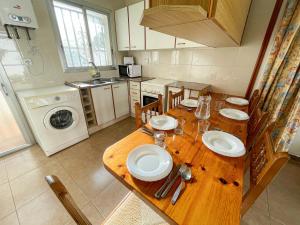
26 199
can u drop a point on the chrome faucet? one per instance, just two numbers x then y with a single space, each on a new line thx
97 74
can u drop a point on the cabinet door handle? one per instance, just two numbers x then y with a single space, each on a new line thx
117 87
182 43
107 88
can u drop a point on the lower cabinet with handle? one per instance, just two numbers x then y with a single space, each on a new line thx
121 100
103 104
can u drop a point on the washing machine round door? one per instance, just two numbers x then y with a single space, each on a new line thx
61 118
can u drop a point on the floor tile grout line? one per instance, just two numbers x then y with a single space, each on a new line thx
88 198
14 201
73 180
39 166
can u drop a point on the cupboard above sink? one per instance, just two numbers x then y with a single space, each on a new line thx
133 36
214 23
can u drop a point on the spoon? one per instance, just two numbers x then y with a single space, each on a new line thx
185 176
181 170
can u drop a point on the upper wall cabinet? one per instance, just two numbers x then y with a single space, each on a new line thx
158 40
121 19
137 32
215 23
182 43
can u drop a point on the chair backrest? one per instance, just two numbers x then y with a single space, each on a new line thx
264 165
142 114
257 122
176 98
253 101
65 198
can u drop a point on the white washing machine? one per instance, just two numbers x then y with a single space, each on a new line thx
55 115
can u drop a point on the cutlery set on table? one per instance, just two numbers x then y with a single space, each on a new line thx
153 162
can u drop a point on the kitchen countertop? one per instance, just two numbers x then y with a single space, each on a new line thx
189 85
83 84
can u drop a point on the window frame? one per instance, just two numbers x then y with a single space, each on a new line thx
61 51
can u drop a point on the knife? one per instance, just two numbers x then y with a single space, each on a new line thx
179 172
168 180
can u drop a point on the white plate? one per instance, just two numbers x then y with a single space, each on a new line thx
149 162
163 122
234 114
189 103
237 101
223 143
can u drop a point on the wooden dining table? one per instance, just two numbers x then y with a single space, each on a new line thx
214 195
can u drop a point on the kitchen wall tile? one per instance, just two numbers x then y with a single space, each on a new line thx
146 70
184 57
179 72
155 57
200 74
161 70
167 57
224 56
203 57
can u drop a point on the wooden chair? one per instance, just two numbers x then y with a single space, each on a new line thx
176 98
65 198
142 114
253 101
257 122
264 165
131 210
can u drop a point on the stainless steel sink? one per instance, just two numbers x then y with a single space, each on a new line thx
103 81
94 82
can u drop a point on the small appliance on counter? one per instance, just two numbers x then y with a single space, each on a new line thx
128 69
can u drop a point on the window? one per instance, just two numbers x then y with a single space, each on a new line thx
84 36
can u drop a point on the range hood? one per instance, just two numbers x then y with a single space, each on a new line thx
214 23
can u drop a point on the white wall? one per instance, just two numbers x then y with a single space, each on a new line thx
46 69
227 69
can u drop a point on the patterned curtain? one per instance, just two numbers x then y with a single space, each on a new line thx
280 84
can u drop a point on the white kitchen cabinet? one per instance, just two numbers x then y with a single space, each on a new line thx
103 104
121 20
120 93
182 43
137 32
157 40
135 95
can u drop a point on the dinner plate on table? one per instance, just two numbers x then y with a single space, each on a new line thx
191 103
237 101
234 114
223 143
163 122
149 162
